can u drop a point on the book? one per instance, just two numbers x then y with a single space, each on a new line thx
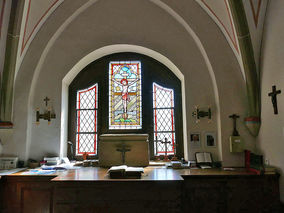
124 171
254 162
269 168
203 157
204 160
176 164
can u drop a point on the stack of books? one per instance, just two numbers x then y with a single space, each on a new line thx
177 165
52 161
125 172
269 170
254 163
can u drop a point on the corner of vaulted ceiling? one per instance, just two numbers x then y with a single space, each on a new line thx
255 10
35 13
221 14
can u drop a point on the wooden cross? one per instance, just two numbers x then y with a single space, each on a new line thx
166 145
123 150
273 95
46 100
235 117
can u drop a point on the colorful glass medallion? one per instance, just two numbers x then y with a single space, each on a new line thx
164 124
86 129
125 94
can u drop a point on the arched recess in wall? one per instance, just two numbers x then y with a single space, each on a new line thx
99 53
115 49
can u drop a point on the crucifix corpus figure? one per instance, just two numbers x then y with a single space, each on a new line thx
123 149
273 96
235 117
125 94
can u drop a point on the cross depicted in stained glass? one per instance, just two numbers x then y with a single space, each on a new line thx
125 95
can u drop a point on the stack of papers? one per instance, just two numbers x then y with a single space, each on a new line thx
10 171
38 172
62 166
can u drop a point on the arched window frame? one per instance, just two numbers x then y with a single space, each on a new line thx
86 110
153 71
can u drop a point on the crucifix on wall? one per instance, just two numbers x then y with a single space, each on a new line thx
273 96
46 100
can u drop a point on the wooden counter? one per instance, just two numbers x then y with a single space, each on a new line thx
158 190
215 172
100 174
151 173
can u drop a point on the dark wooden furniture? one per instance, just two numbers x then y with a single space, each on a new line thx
76 191
159 190
26 194
230 192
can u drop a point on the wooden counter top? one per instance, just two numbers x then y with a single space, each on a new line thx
100 174
151 173
215 172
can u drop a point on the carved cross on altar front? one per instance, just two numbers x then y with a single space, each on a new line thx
273 95
123 149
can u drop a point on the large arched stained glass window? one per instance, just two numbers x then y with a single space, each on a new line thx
87 107
125 95
126 86
164 124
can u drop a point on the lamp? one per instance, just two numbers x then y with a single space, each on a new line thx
197 113
47 115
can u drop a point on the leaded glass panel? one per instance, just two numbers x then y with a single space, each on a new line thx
125 95
164 124
86 129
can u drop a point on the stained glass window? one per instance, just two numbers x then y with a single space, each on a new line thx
125 95
164 124
86 129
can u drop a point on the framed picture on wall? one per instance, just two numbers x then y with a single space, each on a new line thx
195 139
210 139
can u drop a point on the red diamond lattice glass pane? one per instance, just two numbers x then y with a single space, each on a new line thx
164 124
86 129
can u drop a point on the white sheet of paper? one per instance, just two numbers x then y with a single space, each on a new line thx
200 157
207 157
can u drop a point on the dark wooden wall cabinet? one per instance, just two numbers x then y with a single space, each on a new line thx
191 193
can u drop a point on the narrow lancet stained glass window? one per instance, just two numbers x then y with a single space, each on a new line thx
164 124
125 95
86 129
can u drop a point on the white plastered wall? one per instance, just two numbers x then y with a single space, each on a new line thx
271 137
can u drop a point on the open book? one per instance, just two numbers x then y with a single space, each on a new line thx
203 159
124 171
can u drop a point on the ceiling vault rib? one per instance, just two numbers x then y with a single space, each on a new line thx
252 120
7 83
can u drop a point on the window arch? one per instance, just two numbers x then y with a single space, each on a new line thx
113 96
